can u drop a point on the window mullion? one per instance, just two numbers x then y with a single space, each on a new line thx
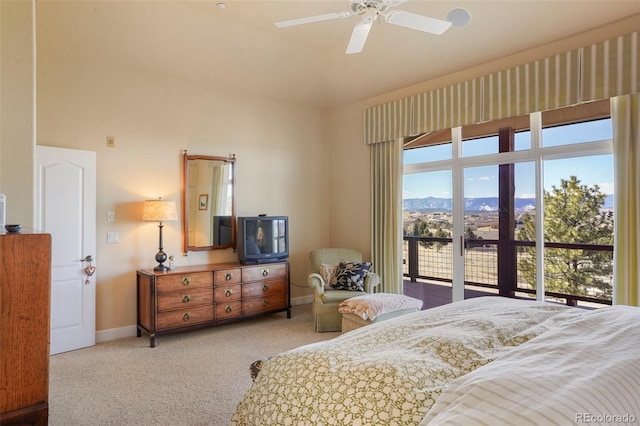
536 147
458 216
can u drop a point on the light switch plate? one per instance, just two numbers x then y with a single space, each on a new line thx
113 237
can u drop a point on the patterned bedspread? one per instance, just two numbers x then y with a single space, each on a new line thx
391 372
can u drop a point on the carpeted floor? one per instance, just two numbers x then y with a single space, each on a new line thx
188 379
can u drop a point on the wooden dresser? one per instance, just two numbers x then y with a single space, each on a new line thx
25 297
193 297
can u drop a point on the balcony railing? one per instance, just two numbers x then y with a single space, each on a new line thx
431 259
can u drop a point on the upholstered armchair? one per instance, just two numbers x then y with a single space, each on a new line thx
325 265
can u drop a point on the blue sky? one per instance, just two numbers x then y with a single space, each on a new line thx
483 181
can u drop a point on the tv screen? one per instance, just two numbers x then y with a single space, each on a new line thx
263 239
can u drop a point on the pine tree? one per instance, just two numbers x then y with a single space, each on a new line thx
573 213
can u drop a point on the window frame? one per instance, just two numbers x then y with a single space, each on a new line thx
537 154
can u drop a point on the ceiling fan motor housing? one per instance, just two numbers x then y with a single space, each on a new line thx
368 7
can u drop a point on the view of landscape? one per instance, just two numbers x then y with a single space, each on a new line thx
578 204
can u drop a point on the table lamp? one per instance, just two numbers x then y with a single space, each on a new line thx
159 211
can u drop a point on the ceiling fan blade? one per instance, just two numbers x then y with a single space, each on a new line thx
395 3
417 22
359 37
310 19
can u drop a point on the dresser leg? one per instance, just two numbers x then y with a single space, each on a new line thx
289 313
152 340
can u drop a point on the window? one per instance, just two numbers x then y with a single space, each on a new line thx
478 212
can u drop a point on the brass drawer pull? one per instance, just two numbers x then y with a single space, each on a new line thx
265 302
186 316
186 281
186 298
228 276
265 272
228 309
228 292
265 287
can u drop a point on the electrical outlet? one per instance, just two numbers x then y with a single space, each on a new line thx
111 142
111 216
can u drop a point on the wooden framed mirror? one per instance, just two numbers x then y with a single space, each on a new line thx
208 203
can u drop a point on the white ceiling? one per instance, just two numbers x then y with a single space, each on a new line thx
239 50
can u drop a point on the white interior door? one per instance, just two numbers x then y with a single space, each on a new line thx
66 209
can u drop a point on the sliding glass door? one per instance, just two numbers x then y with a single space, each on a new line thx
525 212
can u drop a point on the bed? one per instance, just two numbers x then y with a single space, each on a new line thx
488 360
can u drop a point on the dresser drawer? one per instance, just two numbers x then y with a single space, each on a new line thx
263 288
184 299
227 276
264 304
261 272
184 317
182 281
228 310
227 293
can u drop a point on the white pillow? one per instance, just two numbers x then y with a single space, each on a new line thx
328 274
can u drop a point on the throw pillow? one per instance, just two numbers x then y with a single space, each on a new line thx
350 276
328 273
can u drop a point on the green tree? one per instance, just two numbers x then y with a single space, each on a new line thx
573 213
422 228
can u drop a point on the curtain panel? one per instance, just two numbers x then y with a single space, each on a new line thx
590 73
625 114
386 214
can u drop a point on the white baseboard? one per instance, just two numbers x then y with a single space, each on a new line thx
302 300
115 333
130 330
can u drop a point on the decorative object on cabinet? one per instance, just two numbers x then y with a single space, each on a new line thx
25 297
208 204
3 209
192 297
13 228
160 211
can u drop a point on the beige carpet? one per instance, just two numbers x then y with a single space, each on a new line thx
189 379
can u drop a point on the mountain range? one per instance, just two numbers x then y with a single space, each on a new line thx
482 204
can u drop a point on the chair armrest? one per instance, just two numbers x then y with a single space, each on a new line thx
371 280
316 281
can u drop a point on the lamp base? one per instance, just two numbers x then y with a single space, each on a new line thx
161 267
161 257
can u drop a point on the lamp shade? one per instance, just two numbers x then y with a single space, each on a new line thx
159 211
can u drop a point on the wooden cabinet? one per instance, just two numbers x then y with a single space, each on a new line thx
202 296
25 297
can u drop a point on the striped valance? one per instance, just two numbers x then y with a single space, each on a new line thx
447 107
539 86
590 73
610 68
393 120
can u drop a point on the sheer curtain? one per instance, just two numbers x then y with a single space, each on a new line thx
386 213
625 114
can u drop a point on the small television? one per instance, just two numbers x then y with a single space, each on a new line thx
262 239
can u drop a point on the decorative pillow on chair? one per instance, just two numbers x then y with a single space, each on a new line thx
350 276
328 273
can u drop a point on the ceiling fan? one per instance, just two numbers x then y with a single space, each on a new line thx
369 10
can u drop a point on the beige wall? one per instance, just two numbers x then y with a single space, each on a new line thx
17 109
293 160
153 117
